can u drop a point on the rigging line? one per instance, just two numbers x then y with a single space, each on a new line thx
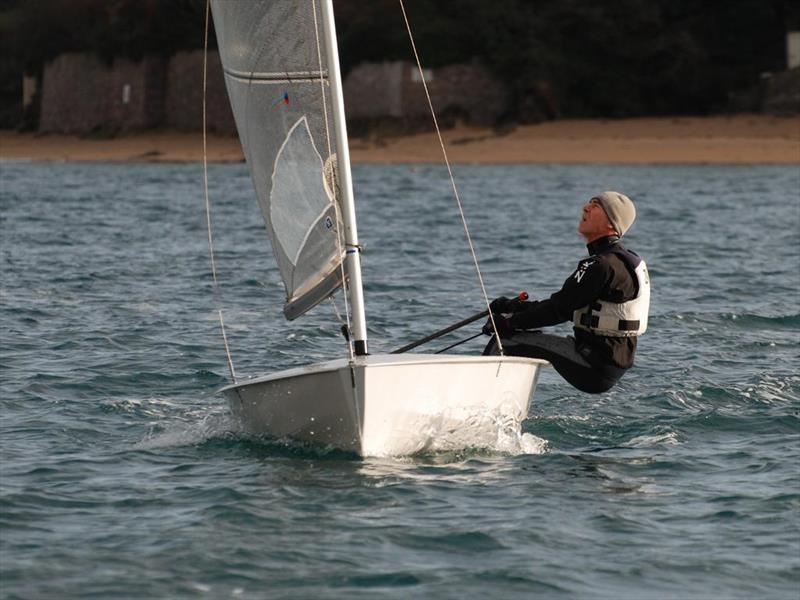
321 79
208 202
336 309
450 173
334 186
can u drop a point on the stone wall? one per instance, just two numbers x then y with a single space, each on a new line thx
467 91
373 90
394 90
81 94
782 93
184 94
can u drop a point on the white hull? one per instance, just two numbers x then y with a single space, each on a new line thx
390 405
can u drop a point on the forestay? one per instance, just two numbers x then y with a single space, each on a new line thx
277 78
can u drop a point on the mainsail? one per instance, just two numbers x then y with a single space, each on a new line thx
275 64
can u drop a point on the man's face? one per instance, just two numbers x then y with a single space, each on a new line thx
594 222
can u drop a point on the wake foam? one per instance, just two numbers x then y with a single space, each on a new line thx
492 432
211 426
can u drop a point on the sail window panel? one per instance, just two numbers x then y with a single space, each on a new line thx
284 146
319 254
298 199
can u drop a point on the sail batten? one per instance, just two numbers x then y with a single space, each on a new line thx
281 76
276 72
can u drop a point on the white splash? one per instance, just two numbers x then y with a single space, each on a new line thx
492 431
185 433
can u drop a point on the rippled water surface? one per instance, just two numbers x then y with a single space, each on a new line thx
122 474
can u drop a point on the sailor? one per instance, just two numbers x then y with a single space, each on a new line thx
607 298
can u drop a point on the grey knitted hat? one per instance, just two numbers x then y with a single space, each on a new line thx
619 209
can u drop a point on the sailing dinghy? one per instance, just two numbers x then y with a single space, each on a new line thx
281 66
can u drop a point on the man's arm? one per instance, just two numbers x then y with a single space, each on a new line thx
581 288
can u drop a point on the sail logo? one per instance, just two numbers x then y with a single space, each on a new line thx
282 100
328 223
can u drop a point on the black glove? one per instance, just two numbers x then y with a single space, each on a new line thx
504 328
501 305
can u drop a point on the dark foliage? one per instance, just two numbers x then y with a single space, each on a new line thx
584 57
620 58
36 31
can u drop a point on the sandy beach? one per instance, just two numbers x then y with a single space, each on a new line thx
737 139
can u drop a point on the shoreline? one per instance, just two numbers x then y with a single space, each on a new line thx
732 139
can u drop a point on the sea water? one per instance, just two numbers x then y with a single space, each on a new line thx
123 475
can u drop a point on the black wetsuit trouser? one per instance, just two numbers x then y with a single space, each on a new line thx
561 352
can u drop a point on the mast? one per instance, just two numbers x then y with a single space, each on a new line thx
352 248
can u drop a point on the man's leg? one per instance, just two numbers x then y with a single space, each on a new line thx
562 354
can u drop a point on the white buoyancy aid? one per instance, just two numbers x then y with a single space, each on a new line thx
623 319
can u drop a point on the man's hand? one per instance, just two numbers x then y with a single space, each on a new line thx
504 328
501 305
509 305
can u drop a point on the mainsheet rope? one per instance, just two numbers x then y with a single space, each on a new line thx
450 173
208 202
